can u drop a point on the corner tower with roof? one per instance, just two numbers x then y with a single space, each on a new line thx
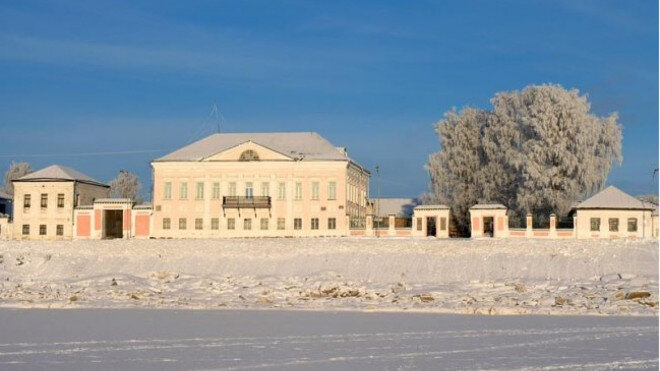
258 184
44 201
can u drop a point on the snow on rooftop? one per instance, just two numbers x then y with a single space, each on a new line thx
59 172
613 198
431 207
487 206
304 146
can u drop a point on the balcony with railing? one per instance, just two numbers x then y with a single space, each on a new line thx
241 202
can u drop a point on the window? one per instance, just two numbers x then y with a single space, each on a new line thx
443 224
298 194
231 223
199 223
265 189
60 200
183 223
332 223
27 199
297 223
59 230
264 223
232 188
247 224
249 155
419 224
332 190
167 191
315 223
44 200
26 229
632 224
183 191
281 223
216 190
281 191
614 224
315 190
249 191
166 223
595 224
200 191
42 229
215 223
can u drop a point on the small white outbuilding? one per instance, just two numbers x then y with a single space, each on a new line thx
612 213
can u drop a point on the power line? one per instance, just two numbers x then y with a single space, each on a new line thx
105 153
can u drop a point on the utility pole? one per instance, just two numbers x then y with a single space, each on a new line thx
377 200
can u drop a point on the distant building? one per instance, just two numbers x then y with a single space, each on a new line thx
400 208
256 185
44 201
5 204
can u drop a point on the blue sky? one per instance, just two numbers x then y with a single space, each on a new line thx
85 77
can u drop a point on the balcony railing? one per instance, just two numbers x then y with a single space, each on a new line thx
238 202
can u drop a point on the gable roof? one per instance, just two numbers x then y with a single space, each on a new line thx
58 172
613 198
303 146
400 207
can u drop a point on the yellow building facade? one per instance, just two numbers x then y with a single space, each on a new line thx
258 185
44 202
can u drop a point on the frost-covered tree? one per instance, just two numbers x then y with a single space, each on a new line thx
455 170
126 185
15 171
538 150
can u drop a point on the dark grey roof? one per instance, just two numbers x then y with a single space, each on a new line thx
613 198
400 207
304 146
59 172
5 195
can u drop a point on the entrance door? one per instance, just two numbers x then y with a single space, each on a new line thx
430 226
113 223
488 226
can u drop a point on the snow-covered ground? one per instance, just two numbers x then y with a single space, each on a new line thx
387 274
133 339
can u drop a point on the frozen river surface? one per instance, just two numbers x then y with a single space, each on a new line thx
127 339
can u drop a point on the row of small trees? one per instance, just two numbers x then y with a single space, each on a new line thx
537 151
125 185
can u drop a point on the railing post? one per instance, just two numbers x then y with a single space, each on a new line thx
529 232
391 230
553 226
369 230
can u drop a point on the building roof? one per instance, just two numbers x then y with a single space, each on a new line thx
304 146
400 207
58 172
431 207
487 206
5 195
613 198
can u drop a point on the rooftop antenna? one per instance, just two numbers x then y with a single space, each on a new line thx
216 116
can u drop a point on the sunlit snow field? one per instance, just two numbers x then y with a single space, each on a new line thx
384 274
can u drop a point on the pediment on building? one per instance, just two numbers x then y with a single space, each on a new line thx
248 151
